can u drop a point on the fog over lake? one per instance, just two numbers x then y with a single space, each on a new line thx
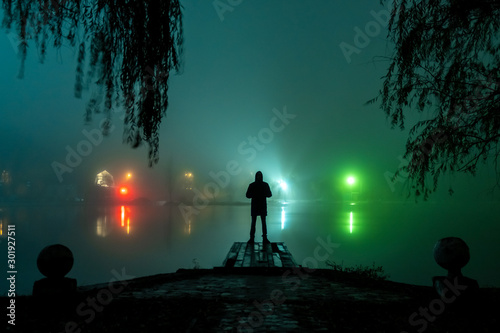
271 85
146 240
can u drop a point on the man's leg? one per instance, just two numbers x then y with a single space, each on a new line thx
252 228
264 229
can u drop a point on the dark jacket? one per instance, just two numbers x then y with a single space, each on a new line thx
258 191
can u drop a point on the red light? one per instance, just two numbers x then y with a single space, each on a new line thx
123 190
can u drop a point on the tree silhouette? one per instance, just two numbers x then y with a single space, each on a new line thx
126 51
446 63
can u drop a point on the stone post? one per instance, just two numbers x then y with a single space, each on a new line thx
55 290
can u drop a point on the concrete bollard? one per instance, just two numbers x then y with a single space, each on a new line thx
452 253
55 290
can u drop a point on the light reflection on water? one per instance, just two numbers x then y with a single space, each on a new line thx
148 240
351 221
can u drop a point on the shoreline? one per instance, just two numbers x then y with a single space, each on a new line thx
259 300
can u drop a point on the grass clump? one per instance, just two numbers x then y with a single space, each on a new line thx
370 272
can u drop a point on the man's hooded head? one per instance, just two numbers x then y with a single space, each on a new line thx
258 176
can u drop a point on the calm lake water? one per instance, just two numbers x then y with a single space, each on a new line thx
146 240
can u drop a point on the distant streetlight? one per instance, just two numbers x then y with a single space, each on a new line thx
129 175
188 180
284 188
355 190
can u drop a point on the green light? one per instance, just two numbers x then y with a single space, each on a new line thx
351 180
350 222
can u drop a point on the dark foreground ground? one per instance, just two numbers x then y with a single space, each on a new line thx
279 300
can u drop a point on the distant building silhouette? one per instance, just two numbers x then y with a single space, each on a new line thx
104 179
5 178
103 189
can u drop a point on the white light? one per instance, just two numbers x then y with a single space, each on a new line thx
282 218
283 185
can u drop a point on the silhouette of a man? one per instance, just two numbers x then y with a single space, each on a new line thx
258 191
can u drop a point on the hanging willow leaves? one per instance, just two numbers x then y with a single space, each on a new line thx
446 62
125 49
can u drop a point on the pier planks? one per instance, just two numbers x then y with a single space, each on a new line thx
258 254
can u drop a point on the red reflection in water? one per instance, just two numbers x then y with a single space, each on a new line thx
125 217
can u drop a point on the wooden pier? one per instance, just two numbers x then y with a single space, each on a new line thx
246 255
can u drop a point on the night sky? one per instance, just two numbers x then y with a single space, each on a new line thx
277 86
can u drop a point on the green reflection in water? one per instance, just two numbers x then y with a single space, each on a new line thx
350 222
